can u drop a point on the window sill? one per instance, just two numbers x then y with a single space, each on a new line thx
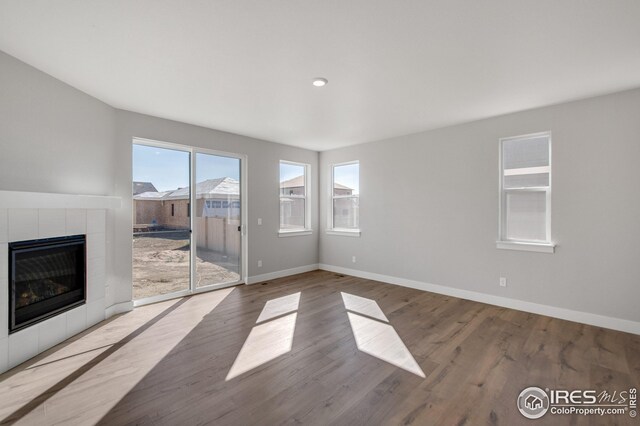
295 233
537 247
344 232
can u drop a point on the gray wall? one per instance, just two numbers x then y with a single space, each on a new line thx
429 201
263 179
54 138
429 208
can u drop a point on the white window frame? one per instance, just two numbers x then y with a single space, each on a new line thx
546 246
307 201
331 230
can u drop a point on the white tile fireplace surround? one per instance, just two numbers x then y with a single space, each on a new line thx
29 216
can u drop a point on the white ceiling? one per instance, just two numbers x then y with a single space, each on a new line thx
394 66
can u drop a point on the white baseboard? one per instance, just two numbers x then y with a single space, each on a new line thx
118 308
551 311
279 274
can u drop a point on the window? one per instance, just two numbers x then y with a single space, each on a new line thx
294 199
188 209
345 199
173 209
525 193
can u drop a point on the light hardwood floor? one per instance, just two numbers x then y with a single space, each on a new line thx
171 363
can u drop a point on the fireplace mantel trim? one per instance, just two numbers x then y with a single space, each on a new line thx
36 200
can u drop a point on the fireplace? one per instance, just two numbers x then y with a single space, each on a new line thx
47 277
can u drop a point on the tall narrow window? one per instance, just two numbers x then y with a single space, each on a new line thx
294 198
525 192
345 198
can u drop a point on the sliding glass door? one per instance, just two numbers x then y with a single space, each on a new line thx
187 220
161 223
217 225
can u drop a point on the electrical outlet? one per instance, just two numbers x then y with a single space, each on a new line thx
259 221
259 263
503 281
353 259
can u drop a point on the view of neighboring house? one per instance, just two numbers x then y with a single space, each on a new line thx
220 198
295 186
217 214
140 187
292 200
216 198
292 206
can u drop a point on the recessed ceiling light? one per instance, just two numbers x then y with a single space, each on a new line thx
319 82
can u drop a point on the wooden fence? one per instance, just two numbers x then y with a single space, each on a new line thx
218 234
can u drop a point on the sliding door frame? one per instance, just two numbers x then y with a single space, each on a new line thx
244 247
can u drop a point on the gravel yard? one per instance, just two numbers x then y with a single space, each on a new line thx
161 265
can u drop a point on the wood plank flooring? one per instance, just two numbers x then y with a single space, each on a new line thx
167 364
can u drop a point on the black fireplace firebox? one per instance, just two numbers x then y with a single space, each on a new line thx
47 277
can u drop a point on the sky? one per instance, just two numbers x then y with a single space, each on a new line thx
348 175
289 171
168 169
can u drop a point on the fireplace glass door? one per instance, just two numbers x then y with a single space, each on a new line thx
47 277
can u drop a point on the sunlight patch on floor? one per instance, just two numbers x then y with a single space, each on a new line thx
377 338
363 306
24 385
280 306
270 339
265 342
